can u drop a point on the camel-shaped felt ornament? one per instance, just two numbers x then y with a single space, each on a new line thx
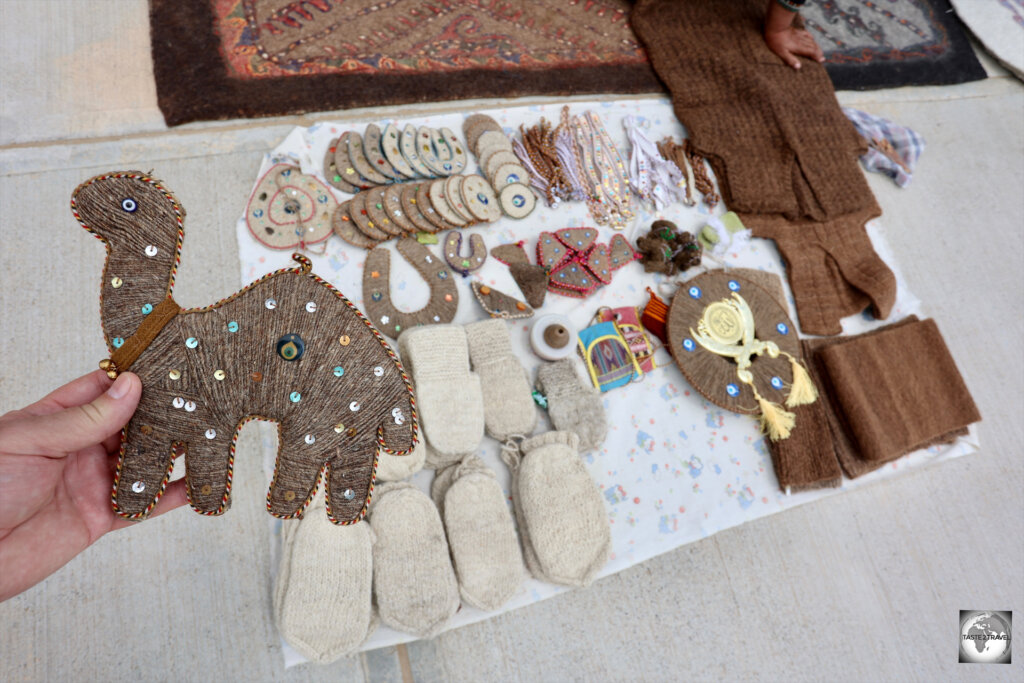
288 348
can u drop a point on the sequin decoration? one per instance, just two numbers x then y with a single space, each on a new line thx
190 406
211 433
139 486
339 371
178 402
310 307
191 342
271 304
295 397
219 375
116 282
378 371
354 406
117 342
349 494
783 328
309 439
689 345
174 374
777 383
151 250
232 326
147 309
694 292
734 286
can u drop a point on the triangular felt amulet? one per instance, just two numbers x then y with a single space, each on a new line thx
289 209
532 281
599 262
621 252
551 252
444 296
498 304
510 253
574 279
578 239
288 348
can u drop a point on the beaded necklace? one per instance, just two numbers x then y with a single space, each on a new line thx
596 202
611 178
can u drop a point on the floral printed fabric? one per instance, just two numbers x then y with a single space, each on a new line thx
674 468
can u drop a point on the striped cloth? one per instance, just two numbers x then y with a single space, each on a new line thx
892 149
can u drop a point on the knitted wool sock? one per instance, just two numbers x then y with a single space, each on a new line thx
439 486
572 405
413 581
508 401
562 522
322 595
482 538
399 467
449 395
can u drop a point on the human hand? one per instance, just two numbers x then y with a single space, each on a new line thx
57 462
785 39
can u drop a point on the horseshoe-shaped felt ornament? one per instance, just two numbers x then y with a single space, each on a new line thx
459 157
331 171
425 148
363 167
390 142
375 154
444 296
290 209
343 164
464 265
408 147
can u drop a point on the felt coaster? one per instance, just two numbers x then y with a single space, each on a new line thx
481 536
713 306
332 173
425 148
289 209
288 348
509 409
480 199
444 296
411 207
344 164
443 207
517 200
495 139
347 230
448 394
392 200
506 174
485 156
378 214
476 125
390 142
408 149
426 207
453 194
464 265
532 281
324 565
375 154
510 253
399 467
459 158
361 217
498 159
563 524
498 304
414 583
357 157
573 406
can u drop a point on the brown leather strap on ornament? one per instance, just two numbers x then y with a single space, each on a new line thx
133 346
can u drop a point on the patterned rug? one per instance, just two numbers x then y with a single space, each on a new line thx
216 59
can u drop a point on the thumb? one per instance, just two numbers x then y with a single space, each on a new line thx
76 427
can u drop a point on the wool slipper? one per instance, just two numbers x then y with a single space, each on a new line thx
413 581
399 467
508 400
572 405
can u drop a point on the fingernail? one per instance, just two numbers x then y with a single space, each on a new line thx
119 388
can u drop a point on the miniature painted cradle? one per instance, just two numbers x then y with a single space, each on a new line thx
288 348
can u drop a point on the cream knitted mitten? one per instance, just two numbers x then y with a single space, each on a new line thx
559 510
508 401
413 580
449 395
399 467
322 594
572 405
442 480
482 538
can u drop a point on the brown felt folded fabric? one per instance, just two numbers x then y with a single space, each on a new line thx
889 392
807 459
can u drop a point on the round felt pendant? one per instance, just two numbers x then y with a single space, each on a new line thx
441 204
289 209
346 229
332 173
517 200
480 199
453 193
506 174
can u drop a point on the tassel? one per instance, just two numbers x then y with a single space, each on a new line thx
803 391
775 422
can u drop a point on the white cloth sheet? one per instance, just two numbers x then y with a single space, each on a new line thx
674 468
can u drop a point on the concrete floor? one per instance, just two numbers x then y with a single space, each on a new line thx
862 586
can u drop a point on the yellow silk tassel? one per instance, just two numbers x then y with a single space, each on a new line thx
775 422
803 390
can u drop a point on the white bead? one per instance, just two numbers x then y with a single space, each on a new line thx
151 251
190 406
211 433
354 406
178 402
378 371
139 486
311 307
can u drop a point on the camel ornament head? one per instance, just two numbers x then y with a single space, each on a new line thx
126 206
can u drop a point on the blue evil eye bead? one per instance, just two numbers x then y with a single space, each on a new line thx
734 286
117 342
287 172
258 213
482 198
783 328
339 371
376 296
518 201
777 383
512 178
129 204
147 309
290 347
732 390
447 166
688 344
443 274
295 397
322 199
191 342
694 292
232 326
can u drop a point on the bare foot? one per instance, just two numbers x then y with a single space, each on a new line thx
791 42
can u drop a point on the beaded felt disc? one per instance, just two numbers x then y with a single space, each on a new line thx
713 307
289 209
517 200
